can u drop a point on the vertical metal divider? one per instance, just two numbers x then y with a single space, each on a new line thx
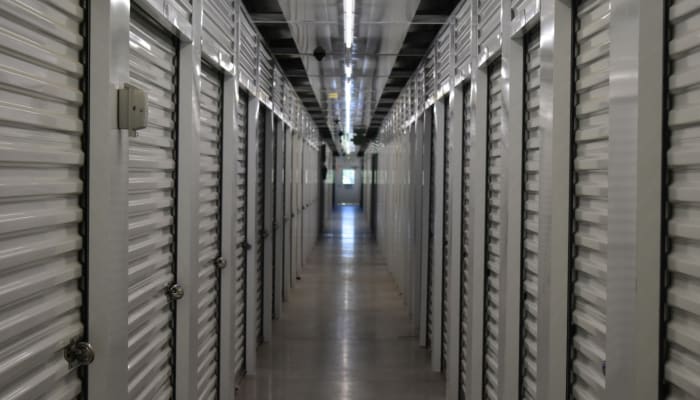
251 336
554 208
187 214
455 108
287 228
269 189
509 320
425 221
228 242
635 198
278 223
416 207
477 213
438 164
107 179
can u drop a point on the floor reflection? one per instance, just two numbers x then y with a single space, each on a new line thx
344 334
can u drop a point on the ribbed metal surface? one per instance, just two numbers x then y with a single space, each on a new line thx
464 332
277 88
463 37
681 368
488 15
259 220
522 12
445 239
430 74
444 53
590 177
247 42
218 29
41 131
265 73
240 211
530 223
151 225
210 134
494 218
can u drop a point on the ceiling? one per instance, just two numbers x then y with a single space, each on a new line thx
390 39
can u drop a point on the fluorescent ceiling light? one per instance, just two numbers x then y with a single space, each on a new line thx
349 21
348 71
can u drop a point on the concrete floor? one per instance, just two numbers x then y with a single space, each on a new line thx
344 333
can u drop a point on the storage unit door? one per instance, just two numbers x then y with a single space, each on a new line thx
41 151
260 220
152 188
681 368
494 241
240 210
464 332
590 202
530 222
445 236
210 142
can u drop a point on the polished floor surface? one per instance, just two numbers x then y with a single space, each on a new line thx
344 333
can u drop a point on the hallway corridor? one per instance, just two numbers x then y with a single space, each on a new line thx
344 333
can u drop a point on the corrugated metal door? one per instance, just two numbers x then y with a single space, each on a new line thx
464 290
494 217
210 133
41 150
590 179
530 224
260 220
445 236
152 188
240 212
681 369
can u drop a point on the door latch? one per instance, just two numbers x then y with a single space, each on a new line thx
79 354
176 291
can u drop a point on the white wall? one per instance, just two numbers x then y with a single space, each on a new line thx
348 194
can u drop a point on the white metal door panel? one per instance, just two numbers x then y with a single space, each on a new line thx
210 141
590 179
218 30
494 220
488 33
681 369
151 225
530 223
465 331
240 211
522 12
260 220
41 151
445 236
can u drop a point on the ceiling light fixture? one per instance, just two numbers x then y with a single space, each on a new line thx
349 21
348 70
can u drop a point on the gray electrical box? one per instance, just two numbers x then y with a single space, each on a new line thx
133 109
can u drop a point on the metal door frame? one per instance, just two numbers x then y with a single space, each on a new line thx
251 339
278 225
269 231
